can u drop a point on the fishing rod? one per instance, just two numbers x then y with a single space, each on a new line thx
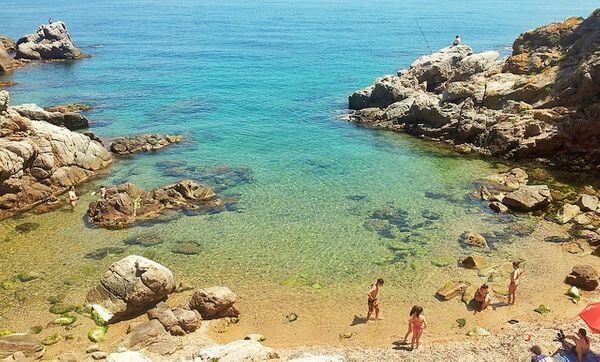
423 34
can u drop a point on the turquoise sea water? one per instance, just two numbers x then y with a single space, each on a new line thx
257 88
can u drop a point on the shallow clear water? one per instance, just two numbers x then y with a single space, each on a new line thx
258 87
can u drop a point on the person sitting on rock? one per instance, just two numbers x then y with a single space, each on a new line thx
482 297
372 299
457 41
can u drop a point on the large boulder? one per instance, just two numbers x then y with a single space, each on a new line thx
142 143
70 120
528 198
177 321
243 350
49 42
450 290
27 344
583 276
39 160
439 67
126 204
130 287
214 302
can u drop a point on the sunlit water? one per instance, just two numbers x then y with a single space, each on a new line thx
256 88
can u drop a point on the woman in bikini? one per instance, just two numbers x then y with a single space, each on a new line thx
416 325
372 302
515 279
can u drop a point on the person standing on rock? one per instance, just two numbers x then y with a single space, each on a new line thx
515 279
372 299
72 197
457 41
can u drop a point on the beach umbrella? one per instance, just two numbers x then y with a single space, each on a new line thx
591 316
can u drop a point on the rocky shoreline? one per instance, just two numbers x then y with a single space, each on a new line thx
540 103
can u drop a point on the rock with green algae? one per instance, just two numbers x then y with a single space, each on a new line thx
27 276
60 308
573 292
8 284
6 332
461 322
346 335
542 309
56 298
64 320
52 339
97 334
97 318
36 329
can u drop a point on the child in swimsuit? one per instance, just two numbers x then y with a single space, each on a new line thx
416 325
372 299
515 279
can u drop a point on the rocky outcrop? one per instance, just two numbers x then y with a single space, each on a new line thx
130 287
142 143
70 107
49 42
39 160
542 102
215 302
126 204
7 63
8 43
70 120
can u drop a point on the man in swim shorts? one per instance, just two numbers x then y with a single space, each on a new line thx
372 299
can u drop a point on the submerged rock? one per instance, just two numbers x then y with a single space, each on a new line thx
214 302
49 42
131 286
175 320
125 204
450 290
142 143
474 240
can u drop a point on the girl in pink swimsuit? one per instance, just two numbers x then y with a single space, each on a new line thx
416 325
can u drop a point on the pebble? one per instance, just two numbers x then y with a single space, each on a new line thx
93 348
99 355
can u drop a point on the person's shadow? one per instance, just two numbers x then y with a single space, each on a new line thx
358 320
401 346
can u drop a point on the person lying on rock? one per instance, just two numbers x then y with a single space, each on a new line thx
372 299
482 297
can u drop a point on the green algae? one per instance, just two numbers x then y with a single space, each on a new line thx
61 308
97 334
6 332
52 339
64 320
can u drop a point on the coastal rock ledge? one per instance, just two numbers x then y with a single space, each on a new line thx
39 160
541 102
142 143
49 42
126 204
